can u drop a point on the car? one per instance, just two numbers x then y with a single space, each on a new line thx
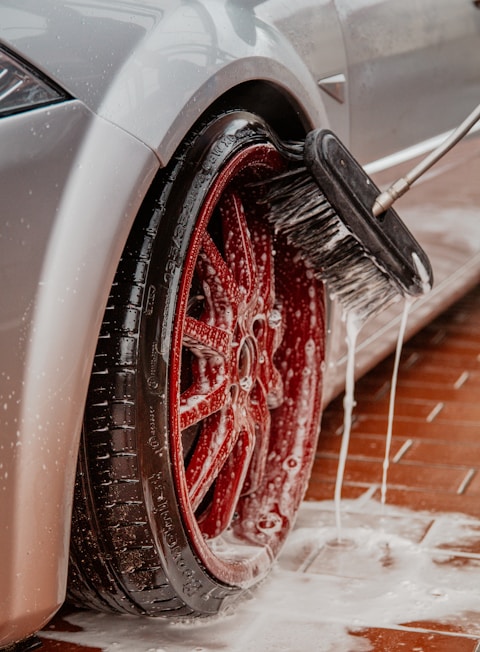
165 358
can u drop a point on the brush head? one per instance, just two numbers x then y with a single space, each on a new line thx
325 210
352 194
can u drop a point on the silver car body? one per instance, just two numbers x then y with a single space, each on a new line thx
390 77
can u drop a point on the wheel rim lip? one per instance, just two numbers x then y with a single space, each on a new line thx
245 571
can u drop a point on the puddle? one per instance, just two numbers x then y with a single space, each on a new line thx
458 534
399 567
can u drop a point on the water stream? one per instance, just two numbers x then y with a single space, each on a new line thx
353 326
393 391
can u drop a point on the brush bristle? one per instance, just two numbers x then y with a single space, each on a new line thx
298 210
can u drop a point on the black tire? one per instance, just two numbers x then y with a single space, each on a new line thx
152 521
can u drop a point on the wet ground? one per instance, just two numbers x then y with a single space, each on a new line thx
407 576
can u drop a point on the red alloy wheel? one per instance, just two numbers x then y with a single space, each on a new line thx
204 403
247 357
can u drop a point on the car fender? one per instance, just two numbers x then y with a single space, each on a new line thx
58 251
154 68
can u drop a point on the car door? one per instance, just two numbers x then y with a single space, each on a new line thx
413 70
413 74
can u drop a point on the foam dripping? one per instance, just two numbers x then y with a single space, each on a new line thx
393 391
353 326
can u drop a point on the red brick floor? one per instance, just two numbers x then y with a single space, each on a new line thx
435 453
435 464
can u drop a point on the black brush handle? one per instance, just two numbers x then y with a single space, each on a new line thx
352 194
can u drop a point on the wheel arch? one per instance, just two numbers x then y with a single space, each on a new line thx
275 105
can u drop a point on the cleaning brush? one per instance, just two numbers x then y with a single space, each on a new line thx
324 209
386 199
345 227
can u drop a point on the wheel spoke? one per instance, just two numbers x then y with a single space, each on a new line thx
262 248
260 415
238 246
228 487
269 336
269 328
220 287
203 398
205 340
216 442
